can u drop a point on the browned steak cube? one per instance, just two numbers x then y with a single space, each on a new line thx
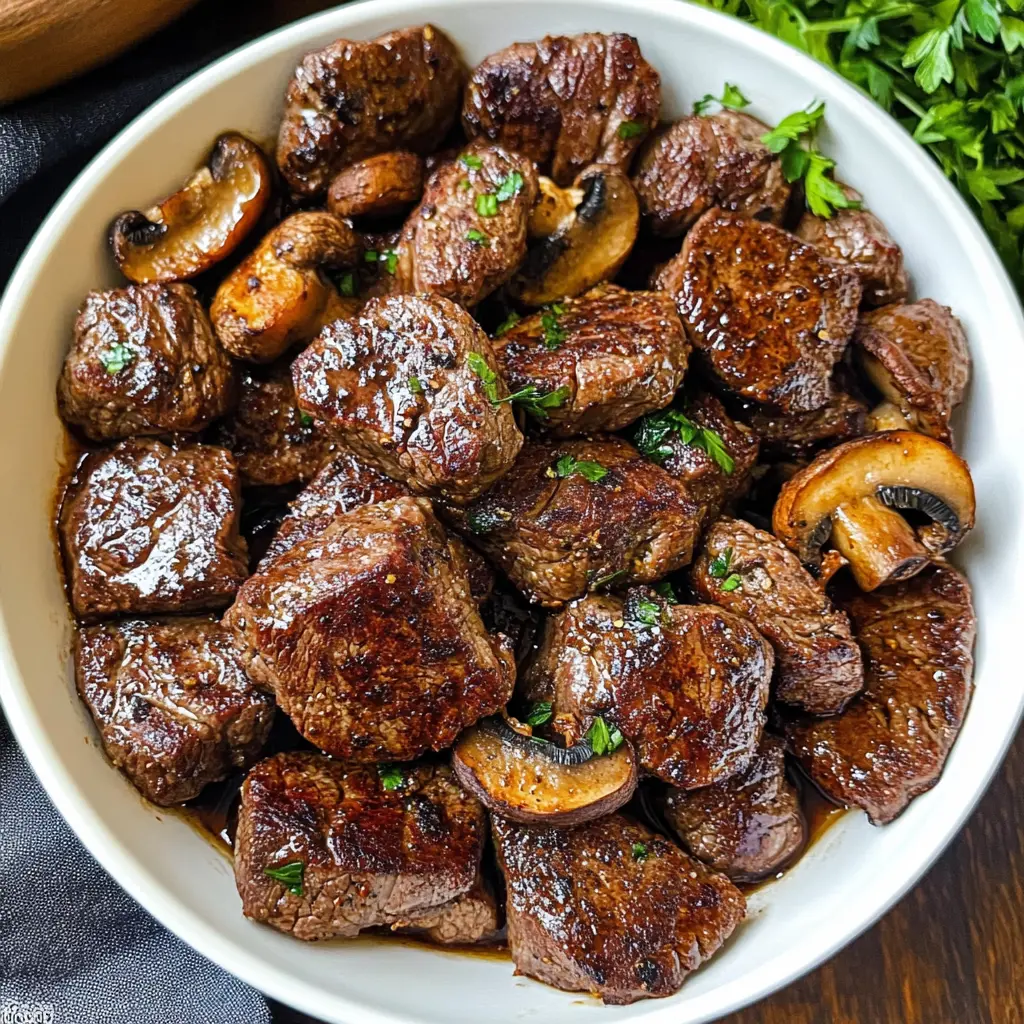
147 528
327 849
891 743
273 442
749 572
566 101
410 387
473 917
144 360
749 826
611 355
351 100
610 908
699 162
577 515
686 684
370 638
172 703
769 313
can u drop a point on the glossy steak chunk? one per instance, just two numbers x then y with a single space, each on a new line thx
699 162
144 360
404 386
370 638
749 826
800 434
148 528
574 516
473 917
172 703
749 572
566 101
352 846
352 100
890 744
769 313
610 908
612 354
272 441
687 684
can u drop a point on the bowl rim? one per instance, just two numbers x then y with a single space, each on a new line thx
30 731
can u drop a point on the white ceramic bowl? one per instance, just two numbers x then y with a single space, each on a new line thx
849 877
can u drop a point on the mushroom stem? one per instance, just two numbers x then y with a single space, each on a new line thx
554 206
887 416
878 543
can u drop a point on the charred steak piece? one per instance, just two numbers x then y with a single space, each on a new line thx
747 571
687 684
917 356
566 101
411 387
574 516
272 441
144 360
468 235
610 908
890 744
327 849
370 638
471 918
749 826
351 100
612 354
769 314
700 162
147 528
860 240
172 703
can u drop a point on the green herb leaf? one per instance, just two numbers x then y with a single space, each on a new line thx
537 402
646 613
567 465
631 130
732 582
794 127
731 98
305 420
719 567
507 324
415 385
347 284
487 376
486 204
465 185
289 875
390 775
390 259
511 186
652 432
640 853
539 713
603 739
600 581
552 334
666 590
471 160
116 358
371 256
473 235
824 194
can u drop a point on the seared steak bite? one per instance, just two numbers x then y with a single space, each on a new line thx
172 703
687 684
747 827
410 386
144 361
470 918
577 515
769 314
749 572
566 101
610 908
272 441
327 849
700 162
369 636
351 100
468 235
891 743
611 354
147 528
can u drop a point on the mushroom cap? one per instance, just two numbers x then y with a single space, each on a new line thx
900 468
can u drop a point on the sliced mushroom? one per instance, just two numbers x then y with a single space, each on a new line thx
851 493
529 780
201 223
554 207
379 186
588 246
279 295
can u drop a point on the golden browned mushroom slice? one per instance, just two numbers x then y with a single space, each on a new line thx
851 493
916 356
554 207
588 245
378 186
279 295
200 224
529 780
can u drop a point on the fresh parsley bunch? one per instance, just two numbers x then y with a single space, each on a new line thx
951 71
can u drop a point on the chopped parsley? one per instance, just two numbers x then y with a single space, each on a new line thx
666 590
305 419
603 739
653 430
507 324
568 465
640 852
511 186
719 569
732 582
390 775
603 580
347 284
389 257
471 161
539 713
465 185
487 376
631 130
553 335
731 99
537 402
647 613
487 204
116 358
415 385
289 874
371 256
480 237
